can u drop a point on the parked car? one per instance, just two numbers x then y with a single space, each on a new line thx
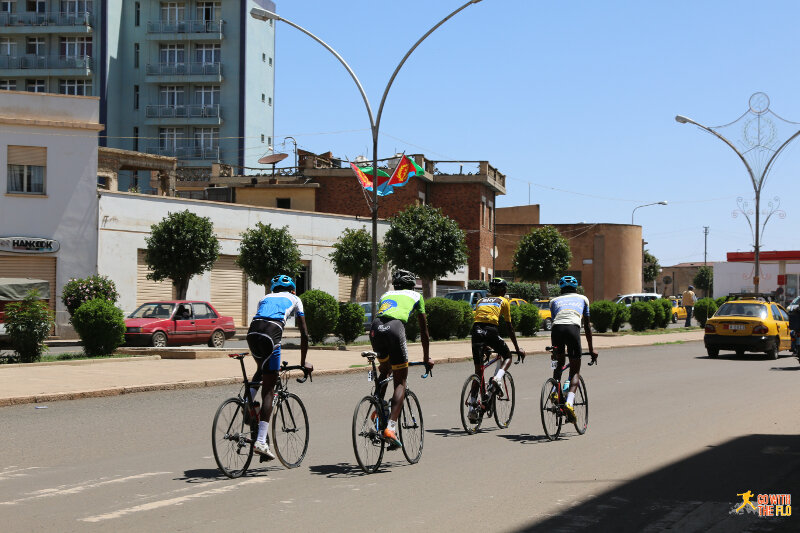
748 325
678 310
471 297
793 305
517 301
544 314
628 299
14 290
173 322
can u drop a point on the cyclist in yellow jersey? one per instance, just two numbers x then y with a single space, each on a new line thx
488 312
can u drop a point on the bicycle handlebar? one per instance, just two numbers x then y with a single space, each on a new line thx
428 368
592 362
306 372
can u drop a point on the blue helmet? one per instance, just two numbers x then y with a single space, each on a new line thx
568 281
282 281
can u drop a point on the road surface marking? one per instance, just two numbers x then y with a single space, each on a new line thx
65 490
19 472
172 501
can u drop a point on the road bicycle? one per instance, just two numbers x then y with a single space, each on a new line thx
372 415
235 425
553 401
494 402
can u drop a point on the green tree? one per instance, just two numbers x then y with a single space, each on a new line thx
100 325
182 245
650 267
704 279
78 291
542 255
28 323
425 241
352 256
266 252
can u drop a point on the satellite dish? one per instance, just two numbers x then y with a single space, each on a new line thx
272 159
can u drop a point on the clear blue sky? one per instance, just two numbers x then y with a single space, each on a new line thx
576 99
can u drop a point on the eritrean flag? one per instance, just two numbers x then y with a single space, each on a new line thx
364 176
403 172
386 184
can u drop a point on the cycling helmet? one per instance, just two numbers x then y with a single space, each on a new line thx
282 281
403 279
568 281
497 285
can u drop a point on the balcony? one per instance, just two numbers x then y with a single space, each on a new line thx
37 23
197 115
184 30
186 152
31 66
179 72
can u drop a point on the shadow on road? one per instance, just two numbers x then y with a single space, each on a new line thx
699 493
339 470
525 438
457 432
201 475
789 368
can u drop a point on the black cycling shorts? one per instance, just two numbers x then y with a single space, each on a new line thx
489 335
388 338
264 340
568 336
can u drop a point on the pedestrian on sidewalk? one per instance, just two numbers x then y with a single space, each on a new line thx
689 299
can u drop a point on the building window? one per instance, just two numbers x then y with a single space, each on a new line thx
135 55
208 11
75 87
263 97
263 58
36 6
11 85
269 141
173 11
270 100
74 7
8 46
137 13
172 54
283 203
35 46
26 169
170 138
171 96
270 59
35 86
76 46
136 97
206 95
135 139
262 138
206 138
7 7
207 53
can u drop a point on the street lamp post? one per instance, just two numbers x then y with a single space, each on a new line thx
760 141
374 120
294 141
662 202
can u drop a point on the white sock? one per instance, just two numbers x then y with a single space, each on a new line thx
263 428
499 376
570 398
392 424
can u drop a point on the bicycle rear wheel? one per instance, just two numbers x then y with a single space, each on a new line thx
471 426
412 429
290 431
504 407
368 444
551 412
232 439
581 406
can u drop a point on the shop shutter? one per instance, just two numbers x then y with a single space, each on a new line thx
344 289
30 266
229 289
27 155
148 290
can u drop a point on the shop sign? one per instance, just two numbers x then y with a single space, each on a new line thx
28 245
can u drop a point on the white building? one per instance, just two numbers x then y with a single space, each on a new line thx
779 271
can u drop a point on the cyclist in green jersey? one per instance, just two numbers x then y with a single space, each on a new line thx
388 338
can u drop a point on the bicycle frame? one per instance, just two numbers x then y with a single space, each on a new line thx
281 385
373 376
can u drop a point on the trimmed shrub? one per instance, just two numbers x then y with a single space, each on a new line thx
527 291
444 317
467 317
529 320
477 285
351 322
642 315
622 314
602 314
322 314
28 324
412 327
516 314
704 308
100 325
78 291
666 305
721 300
658 314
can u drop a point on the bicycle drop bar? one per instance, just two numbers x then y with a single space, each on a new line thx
428 371
306 372
592 362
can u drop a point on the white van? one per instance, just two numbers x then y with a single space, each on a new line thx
628 299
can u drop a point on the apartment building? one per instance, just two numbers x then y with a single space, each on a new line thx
189 79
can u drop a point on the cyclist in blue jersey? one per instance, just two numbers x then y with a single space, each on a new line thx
568 311
264 340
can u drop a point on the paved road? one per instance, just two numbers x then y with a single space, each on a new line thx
673 437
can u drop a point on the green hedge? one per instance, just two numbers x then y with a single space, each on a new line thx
666 305
529 321
622 315
721 300
704 309
658 314
351 322
412 327
322 314
100 325
642 316
28 324
467 317
444 318
477 285
78 291
602 314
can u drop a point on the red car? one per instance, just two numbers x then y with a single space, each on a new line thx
178 322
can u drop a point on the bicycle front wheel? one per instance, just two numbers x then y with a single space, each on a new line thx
232 439
471 425
551 412
504 407
412 430
290 431
368 444
581 407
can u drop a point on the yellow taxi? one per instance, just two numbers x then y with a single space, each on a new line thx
678 310
517 301
749 324
544 314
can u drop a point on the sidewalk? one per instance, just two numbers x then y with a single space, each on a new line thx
68 380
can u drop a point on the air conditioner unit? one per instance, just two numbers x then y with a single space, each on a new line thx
219 194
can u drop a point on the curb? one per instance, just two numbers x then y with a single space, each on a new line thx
78 362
